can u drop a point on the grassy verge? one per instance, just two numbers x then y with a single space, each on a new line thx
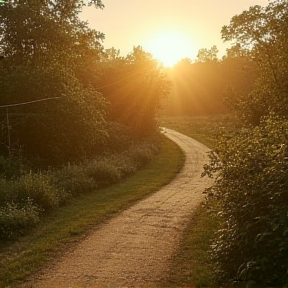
68 224
192 266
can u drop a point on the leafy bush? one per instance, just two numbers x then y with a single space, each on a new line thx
120 137
15 219
72 179
142 154
125 164
104 172
38 187
11 168
251 188
22 199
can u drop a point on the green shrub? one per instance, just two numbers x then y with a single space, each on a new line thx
23 198
125 165
6 193
11 168
15 218
104 172
120 137
251 188
38 187
141 155
72 180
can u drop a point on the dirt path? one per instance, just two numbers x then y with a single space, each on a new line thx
134 249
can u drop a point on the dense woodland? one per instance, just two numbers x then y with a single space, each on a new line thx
68 106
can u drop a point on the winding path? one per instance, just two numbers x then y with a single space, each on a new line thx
134 248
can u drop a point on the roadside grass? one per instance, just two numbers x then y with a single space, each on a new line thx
65 226
191 264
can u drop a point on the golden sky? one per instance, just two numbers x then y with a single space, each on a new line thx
195 24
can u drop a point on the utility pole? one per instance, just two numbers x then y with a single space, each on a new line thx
8 134
9 146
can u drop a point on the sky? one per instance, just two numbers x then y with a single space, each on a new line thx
157 25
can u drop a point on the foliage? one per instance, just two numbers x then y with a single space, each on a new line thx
251 167
33 194
143 154
34 186
15 219
12 167
208 55
135 92
46 30
200 88
56 131
260 32
120 137
104 172
46 47
73 180
251 188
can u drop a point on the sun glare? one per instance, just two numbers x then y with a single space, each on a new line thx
170 47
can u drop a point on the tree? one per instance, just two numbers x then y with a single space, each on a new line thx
199 88
236 51
208 55
136 89
46 48
262 31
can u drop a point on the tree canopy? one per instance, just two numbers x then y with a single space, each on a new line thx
262 33
135 92
45 47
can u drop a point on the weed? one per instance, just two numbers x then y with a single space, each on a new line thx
15 219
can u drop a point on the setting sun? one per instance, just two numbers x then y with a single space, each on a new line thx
170 47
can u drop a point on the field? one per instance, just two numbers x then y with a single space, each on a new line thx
205 129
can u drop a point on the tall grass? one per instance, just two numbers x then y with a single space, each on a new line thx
33 194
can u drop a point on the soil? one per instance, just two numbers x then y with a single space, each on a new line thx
134 249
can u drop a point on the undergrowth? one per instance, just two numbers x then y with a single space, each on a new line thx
28 195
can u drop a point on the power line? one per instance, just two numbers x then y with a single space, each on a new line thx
124 78
52 98
28 102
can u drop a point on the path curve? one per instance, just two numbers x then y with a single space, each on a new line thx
134 248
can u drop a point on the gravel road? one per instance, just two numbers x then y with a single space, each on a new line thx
134 249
